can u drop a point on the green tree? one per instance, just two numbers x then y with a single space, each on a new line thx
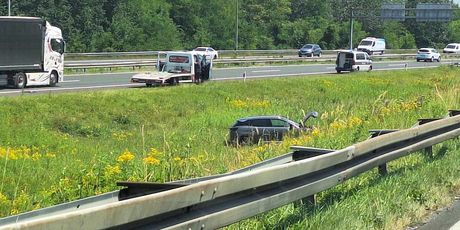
144 25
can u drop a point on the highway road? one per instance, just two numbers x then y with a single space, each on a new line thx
121 80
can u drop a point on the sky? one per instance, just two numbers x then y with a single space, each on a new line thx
457 1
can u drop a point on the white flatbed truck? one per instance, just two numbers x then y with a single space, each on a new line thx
177 67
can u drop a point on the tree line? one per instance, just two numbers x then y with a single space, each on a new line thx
139 25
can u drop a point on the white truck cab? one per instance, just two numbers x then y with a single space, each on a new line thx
350 60
372 45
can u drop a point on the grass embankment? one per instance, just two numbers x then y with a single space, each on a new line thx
56 148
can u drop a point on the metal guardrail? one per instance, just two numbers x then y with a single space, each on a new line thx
228 61
221 52
217 201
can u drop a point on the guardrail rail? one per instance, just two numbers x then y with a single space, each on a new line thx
220 200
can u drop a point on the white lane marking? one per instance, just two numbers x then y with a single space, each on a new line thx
330 67
393 65
97 74
316 73
266 71
69 81
72 88
267 76
16 91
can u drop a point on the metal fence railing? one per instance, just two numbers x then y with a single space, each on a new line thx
217 201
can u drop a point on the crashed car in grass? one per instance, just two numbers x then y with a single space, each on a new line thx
266 128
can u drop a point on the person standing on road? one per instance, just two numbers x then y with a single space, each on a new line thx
197 67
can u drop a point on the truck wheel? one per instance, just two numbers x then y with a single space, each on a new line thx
19 80
53 79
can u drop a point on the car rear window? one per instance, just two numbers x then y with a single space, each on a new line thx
307 46
360 57
423 51
451 47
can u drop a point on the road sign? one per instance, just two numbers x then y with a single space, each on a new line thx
432 12
393 12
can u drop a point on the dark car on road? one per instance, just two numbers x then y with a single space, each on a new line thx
265 128
310 50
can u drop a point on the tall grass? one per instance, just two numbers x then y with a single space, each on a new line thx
60 147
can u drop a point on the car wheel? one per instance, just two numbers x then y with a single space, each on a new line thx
432 59
357 68
300 55
319 55
338 71
370 68
418 60
439 59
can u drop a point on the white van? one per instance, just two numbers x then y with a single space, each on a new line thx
350 60
372 45
452 48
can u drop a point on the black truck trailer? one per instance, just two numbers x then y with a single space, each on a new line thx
22 44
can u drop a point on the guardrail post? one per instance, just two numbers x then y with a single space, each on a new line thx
383 169
302 153
428 150
306 202
453 113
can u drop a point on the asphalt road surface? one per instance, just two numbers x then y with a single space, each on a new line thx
449 219
122 80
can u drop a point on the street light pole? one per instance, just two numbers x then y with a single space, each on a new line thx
9 7
237 25
351 29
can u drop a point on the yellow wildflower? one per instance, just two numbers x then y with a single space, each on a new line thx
50 155
177 159
338 124
112 170
14 211
150 160
3 200
126 156
354 121
154 152
315 132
